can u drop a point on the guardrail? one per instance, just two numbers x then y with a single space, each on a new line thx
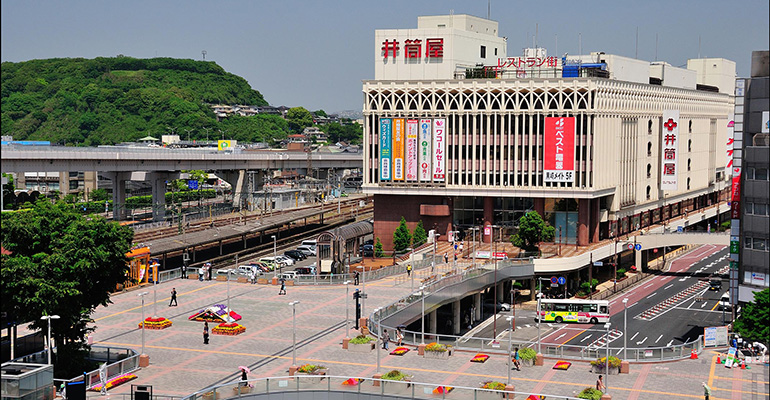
345 385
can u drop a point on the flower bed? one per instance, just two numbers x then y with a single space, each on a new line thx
155 323
311 369
114 382
480 358
443 389
230 329
437 350
399 351
564 365
597 366
493 385
396 375
436 347
351 382
215 313
361 344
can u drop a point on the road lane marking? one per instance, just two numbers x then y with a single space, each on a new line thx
585 338
647 286
670 343
715 306
691 304
659 337
561 336
668 286
703 305
652 295
643 340
621 349
632 337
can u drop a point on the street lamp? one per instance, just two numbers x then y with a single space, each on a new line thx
422 319
280 268
50 346
510 339
513 306
607 360
625 328
347 310
293 305
141 296
379 336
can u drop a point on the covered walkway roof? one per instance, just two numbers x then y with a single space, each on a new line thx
214 235
348 232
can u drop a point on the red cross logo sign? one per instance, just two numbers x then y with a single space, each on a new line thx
670 125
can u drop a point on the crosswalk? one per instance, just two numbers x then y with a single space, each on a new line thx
602 340
668 304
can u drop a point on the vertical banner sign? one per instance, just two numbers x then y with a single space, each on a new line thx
411 149
425 153
385 149
439 154
398 149
765 121
669 150
559 143
730 139
736 186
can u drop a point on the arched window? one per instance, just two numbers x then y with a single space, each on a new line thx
649 149
689 164
649 172
649 126
648 192
689 145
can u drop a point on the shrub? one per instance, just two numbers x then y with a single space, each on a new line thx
362 339
493 385
527 353
394 375
590 393
621 273
310 368
614 362
436 347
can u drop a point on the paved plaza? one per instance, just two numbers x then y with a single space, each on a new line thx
181 364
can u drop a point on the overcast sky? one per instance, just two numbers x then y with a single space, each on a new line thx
315 54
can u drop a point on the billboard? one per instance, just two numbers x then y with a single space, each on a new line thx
669 150
730 139
223 145
559 149
439 151
425 139
385 151
398 149
411 149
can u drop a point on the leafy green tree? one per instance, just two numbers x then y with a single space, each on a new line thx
752 323
299 118
401 237
99 195
419 236
61 263
378 249
532 231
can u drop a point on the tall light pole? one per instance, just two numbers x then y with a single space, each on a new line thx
539 294
275 240
379 342
422 319
141 296
607 360
50 346
293 305
513 306
625 328
347 310
510 339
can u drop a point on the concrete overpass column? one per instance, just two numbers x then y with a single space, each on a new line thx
118 195
584 214
456 322
532 289
477 307
638 260
158 183
489 215
433 327
594 229
500 292
236 179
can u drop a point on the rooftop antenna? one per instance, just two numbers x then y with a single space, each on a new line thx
557 45
536 30
636 52
489 8
698 46
204 54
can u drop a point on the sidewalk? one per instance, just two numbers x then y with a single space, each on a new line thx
181 364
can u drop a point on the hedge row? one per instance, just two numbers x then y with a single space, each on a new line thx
135 202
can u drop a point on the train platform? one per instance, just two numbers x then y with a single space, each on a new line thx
181 364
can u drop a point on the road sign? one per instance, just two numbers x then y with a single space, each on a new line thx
638 247
679 229
562 280
554 285
598 263
630 246
554 280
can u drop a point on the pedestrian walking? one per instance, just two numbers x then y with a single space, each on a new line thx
385 339
706 391
399 335
208 268
283 287
184 270
173 298
408 269
600 384
205 333
446 258
355 278
201 271
516 358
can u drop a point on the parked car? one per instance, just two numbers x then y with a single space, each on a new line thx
307 250
295 254
269 262
312 243
489 305
305 270
286 261
367 250
289 275
250 269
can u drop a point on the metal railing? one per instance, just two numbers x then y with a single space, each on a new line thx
350 385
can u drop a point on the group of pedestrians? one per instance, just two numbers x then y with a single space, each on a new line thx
204 271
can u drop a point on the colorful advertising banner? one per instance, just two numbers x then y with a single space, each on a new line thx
559 149
411 149
439 152
730 139
398 149
223 145
385 151
424 152
669 150
736 188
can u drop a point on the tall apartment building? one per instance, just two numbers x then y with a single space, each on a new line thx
752 170
457 134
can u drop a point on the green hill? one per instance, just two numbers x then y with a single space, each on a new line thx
110 100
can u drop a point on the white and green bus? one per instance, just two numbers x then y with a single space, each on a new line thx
575 310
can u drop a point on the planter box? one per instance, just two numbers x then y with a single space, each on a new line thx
599 369
211 396
243 389
221 278
243 279
262 281
316 377
442 355
361 348
484 395
528 363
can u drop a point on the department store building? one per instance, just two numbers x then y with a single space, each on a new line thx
459 134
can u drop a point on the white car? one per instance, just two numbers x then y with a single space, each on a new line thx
306 249
286 261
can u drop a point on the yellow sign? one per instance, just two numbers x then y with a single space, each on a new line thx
224 145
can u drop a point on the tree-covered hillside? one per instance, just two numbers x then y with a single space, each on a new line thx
110 100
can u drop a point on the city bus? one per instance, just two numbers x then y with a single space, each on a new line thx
575 310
